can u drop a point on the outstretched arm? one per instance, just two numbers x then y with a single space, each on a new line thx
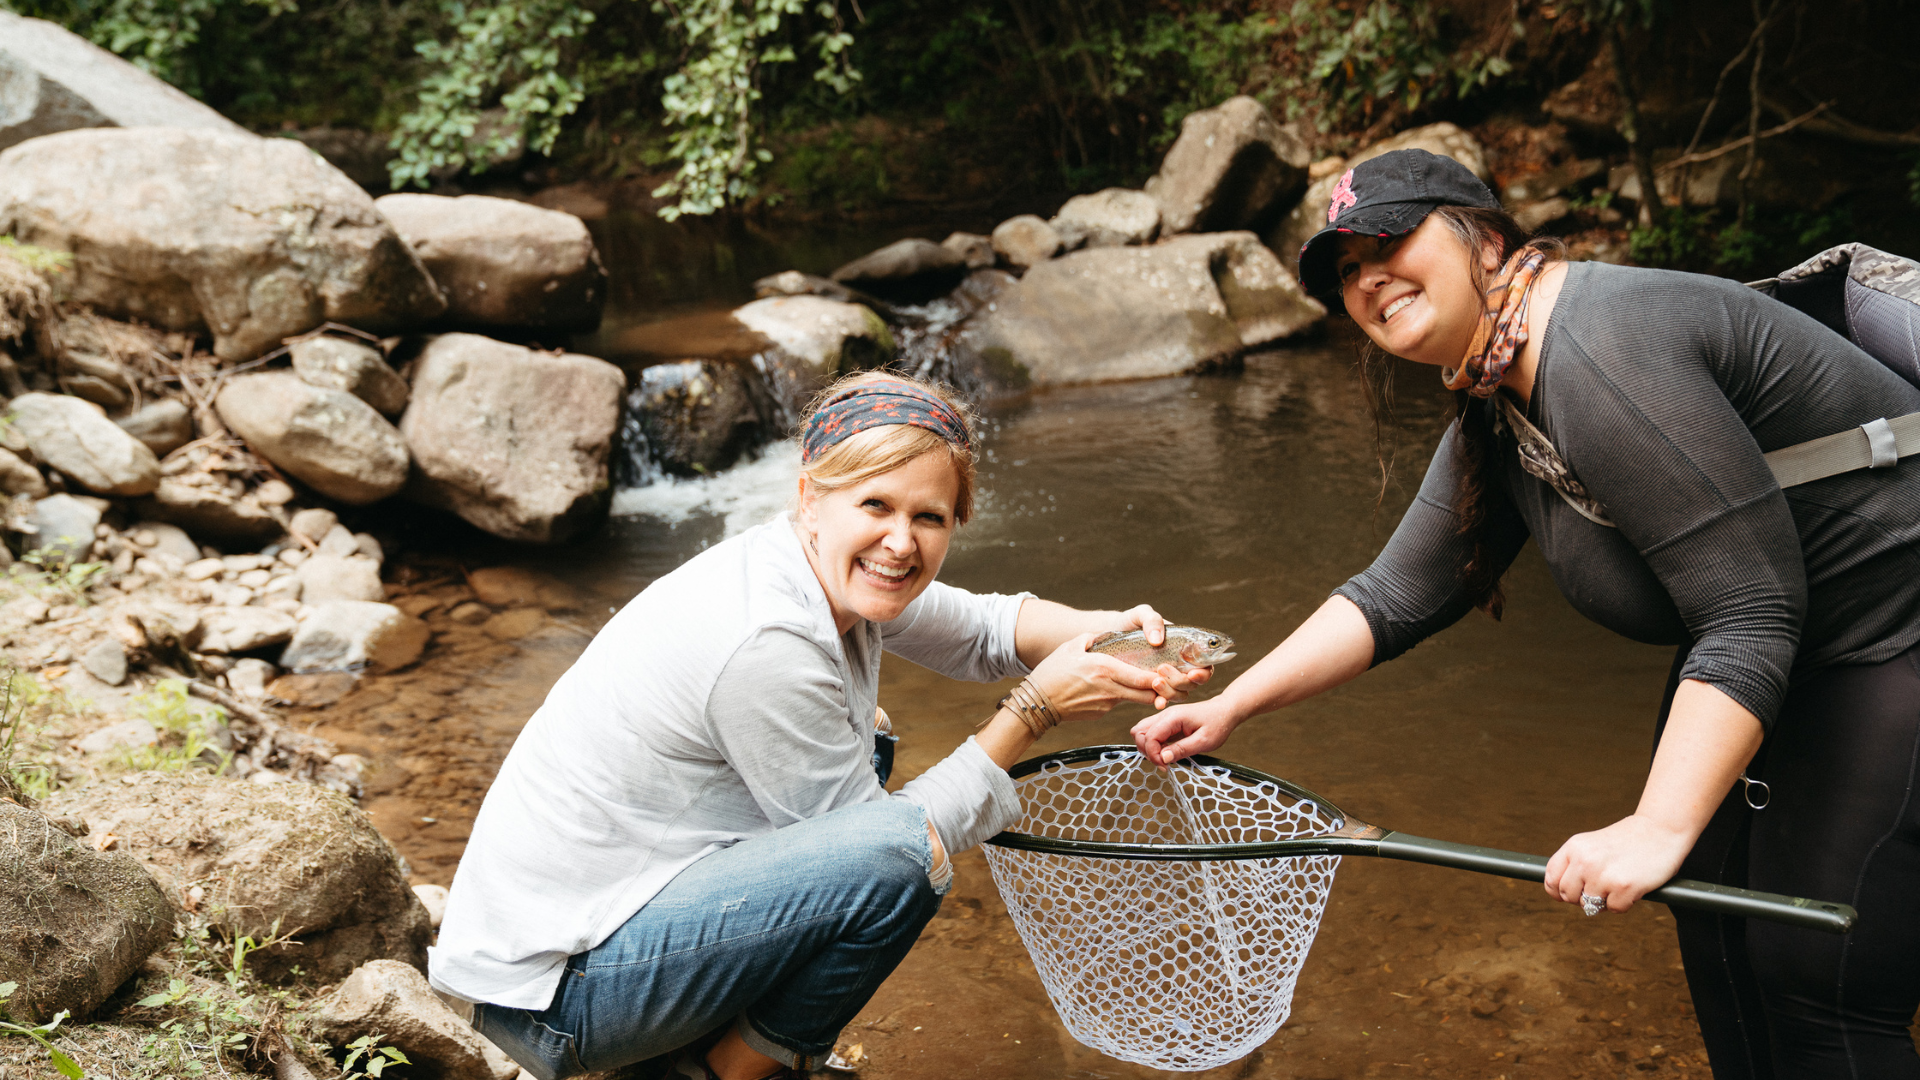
1331 647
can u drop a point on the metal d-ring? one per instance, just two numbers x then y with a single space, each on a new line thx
1766 793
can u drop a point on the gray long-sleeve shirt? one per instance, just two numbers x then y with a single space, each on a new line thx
1662 390
719 705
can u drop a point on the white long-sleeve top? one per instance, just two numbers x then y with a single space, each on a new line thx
719 705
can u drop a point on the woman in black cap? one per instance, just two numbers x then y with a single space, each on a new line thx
1618 416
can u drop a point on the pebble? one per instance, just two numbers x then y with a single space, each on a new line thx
339 541
313 523
471 613
34 611
107 662
231 595
518 623
249 677
274 493
145 538
254 579
240 564
204 569
416 606
294 556
434 899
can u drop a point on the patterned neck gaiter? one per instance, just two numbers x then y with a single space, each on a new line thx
1503 326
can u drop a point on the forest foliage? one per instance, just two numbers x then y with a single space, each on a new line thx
700 90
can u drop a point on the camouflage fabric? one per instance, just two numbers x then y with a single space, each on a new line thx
1544 463
1890 274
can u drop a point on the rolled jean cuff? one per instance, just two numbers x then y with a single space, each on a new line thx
762 1043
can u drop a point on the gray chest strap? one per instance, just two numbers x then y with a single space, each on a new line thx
1879 444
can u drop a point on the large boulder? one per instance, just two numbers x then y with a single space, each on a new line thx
353 366
1116 217
75 437
252 239
1233 167
348 634
332 440
697 416
394 1001
501 262
52 79
514 441
909 271
813 340
1309 216
266 859
1140 312
74 922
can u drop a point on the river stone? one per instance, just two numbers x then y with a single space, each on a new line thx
280 858
359 369
107 662
697 416
168 540
314 523
1142 312
344 634
252 239
204 507
19 478
125 735
330 439
1025 240
75 437
1115 217
65 524
52 79
226 630
514 586
814 340
974 249
164 426
503 263
795 283
1309 216
911 271
392 1000
1233 167
339 577
74 922
514 441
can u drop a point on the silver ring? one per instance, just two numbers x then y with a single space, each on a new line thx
1592 905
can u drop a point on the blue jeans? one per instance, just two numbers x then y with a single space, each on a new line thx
787 935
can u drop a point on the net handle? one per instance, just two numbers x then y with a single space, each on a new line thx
1352 836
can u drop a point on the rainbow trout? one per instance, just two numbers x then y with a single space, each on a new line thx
1187 647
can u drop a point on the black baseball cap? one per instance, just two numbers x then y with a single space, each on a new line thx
1389 195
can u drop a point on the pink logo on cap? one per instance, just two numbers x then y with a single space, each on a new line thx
1343 197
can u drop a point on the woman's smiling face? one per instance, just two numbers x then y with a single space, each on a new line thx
1414 294
877 544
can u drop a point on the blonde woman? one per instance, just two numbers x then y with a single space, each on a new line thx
692 834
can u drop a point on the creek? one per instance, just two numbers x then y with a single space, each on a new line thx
1234 501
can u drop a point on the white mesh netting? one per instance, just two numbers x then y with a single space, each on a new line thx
1176 965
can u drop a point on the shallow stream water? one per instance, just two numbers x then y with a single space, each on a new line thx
1232 501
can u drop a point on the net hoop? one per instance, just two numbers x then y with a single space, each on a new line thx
1161 936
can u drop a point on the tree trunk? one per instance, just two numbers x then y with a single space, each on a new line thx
1651 210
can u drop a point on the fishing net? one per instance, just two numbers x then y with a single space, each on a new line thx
1175 965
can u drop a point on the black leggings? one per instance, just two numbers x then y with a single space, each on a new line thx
1843 823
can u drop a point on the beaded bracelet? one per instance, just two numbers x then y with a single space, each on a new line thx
1032 706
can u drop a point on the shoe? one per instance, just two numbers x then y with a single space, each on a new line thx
689 1065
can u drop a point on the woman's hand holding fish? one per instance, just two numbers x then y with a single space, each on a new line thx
1083 685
